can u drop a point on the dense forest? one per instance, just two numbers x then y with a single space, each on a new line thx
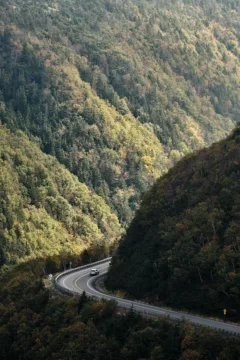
119 90
45 210
35 323
183 246
98 99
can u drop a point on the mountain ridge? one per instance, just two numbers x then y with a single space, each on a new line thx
182 246
171 69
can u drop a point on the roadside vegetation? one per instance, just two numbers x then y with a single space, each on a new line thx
37 323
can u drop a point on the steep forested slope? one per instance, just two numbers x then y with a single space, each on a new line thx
183 245
119 90
45 210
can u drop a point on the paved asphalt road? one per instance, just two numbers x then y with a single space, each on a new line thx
80 281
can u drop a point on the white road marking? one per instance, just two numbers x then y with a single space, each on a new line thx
141 306
124 301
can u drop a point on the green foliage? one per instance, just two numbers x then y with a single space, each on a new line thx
183 245
44 210
34 324
120 90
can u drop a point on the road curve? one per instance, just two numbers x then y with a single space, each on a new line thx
78 280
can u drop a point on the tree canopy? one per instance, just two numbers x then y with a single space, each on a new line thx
37 323
118 91
183 245
45 210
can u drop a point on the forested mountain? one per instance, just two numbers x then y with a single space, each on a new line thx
98 98
120 90
183 246
45 210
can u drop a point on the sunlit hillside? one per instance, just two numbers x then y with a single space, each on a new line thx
118 91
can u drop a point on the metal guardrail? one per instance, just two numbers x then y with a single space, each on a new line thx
71 292
122 305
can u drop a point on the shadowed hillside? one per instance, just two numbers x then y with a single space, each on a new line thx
183 245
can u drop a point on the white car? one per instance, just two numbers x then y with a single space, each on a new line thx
94 272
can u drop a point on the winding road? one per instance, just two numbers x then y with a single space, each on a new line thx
75 281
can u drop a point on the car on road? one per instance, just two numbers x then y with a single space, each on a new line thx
94 272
